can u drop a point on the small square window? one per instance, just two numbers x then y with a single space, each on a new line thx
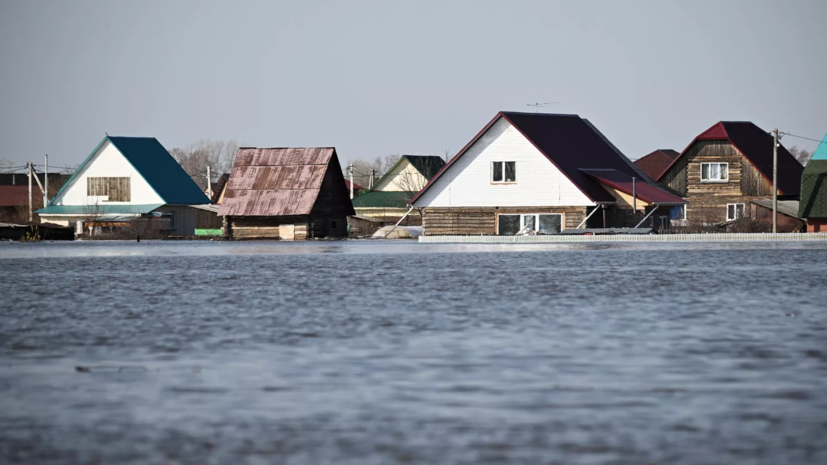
503 171
734 211
714 172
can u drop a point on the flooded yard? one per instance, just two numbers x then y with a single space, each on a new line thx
381 352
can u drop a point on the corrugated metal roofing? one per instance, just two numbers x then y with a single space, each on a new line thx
276 181
655 163
644 191
756 145
813 202
160 170
821 150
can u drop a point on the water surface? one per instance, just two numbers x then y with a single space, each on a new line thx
383 352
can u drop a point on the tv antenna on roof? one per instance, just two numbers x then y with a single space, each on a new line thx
539 105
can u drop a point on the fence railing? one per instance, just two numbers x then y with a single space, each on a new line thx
565 238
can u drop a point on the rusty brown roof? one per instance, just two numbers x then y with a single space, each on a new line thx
275 181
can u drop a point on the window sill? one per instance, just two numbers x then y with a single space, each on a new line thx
503 183
725 181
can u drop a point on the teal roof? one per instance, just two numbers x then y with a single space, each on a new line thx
160 170
821 150
100 209
383 199
157 167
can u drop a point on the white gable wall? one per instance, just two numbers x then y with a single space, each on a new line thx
404 177
467 183
107 161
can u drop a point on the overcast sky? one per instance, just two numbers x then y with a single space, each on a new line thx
419 77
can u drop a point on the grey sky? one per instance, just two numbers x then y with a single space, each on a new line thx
379 77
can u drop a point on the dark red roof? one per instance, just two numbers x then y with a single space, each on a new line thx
13 196
570 143
356 187
756 145
642 190
655 163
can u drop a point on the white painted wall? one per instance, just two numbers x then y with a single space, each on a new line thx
467 183
107 161
404 177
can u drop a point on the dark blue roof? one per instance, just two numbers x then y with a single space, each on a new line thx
160 170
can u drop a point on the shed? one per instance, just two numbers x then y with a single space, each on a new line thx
287 194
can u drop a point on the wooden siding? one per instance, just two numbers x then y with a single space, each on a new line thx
265 227
117 189
467 183
474 221
708 200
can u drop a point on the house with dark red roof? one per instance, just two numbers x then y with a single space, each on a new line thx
725 168
655 163
540 173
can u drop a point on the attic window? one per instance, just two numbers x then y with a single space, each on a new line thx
503 171
714 172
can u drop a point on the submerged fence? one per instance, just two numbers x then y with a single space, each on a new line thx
567 238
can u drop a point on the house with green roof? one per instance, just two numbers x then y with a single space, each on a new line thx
123 179
813 202
389 198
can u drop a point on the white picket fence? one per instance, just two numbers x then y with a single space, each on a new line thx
564 238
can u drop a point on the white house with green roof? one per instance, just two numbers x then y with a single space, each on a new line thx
125 178
390 196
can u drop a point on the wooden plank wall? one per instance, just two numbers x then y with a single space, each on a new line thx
265 227
118 189
449 221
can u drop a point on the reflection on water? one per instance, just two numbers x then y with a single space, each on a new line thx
382 352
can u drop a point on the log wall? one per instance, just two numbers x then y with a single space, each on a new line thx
483 220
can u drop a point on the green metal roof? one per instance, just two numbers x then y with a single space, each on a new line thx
100 209
821 150
813 200
383 199
157 167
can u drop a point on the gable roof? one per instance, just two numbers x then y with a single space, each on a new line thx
655 163
427 165
569 142
356 187
218 188
152 161
382 199
756 145
278 181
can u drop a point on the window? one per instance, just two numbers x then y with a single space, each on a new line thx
714 172
678 213
504 171
542 223
734 211
114 189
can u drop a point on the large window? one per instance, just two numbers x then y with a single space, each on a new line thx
542 223
714 172
734 211
503 171
115 189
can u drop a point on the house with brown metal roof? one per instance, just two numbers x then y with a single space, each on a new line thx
287 194
655 163
725 168
540 173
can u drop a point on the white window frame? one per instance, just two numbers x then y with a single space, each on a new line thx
719 171
502 163
743 211
536 219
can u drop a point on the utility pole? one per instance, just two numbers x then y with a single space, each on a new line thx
209 183
29 166
350 168
775 180
46 183
634 198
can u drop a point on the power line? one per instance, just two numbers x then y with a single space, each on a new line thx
801 137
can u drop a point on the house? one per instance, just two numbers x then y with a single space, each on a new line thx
813 204
218 189
356 187
541 173
388 200
726 167
655 163
14 194
126 179
287 194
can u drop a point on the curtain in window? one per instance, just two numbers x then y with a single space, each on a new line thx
550 224
714 172
497 175
528 220
510 171
508 225
704 171
723 171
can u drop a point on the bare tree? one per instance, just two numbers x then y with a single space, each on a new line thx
219 155
803 156
364 169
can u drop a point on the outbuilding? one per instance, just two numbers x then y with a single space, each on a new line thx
540 173
287 194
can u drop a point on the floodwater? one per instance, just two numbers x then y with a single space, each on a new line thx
383 353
